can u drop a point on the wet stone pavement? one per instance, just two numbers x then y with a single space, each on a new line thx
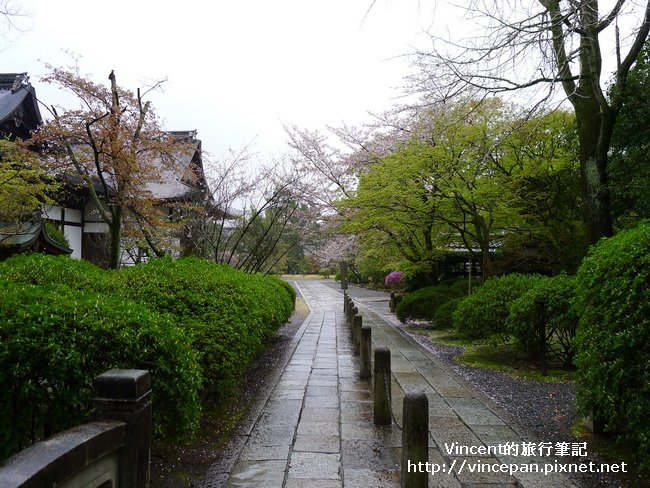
316 428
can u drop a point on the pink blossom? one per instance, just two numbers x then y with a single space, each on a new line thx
393 278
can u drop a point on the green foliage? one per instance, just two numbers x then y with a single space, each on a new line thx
24 184
192 323
433 303
289 289
55 340
443 315
561 318
484 313
42 269
230 313
628 169
613 337
473 175
544 187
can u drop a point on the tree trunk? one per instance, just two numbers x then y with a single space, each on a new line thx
595 126
115 228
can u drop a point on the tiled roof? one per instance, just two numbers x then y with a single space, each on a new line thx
14 89
25 234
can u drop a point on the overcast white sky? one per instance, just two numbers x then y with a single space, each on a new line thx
238 69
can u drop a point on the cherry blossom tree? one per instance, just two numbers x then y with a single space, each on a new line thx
114 144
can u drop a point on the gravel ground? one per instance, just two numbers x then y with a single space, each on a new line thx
547 410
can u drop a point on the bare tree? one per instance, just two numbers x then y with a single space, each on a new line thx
542 45
231 183
325 166
257 214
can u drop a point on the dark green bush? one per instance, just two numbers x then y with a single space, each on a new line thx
54 341
443 316
432 303
229 313
561 318
484 313
613 337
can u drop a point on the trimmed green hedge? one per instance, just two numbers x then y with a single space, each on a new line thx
42 269
54 341
613 337
561 318
194 324
230 313
484 313
433 303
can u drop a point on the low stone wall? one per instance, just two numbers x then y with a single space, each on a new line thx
113 451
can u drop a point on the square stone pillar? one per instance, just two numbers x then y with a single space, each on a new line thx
125 395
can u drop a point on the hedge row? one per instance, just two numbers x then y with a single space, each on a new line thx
194 324
560 316
229 313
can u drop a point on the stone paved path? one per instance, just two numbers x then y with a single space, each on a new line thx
316 427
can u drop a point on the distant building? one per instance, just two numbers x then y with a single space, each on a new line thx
19 117
75 214
79 219
19 113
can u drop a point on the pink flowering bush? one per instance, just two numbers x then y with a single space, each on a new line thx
393 279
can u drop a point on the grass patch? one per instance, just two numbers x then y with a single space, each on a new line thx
301 306
304 277
500 357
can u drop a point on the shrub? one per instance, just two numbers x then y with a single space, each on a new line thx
393 279
165 316
443 316
43 269
230 313
54 341
613 337
561 318
289 289
484 313
431 303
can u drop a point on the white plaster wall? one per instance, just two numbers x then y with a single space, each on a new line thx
74 238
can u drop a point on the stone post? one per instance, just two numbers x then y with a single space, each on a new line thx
415 440
350 316
382 388
365 351
125 395
344 276
391 303
353 311
356 332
